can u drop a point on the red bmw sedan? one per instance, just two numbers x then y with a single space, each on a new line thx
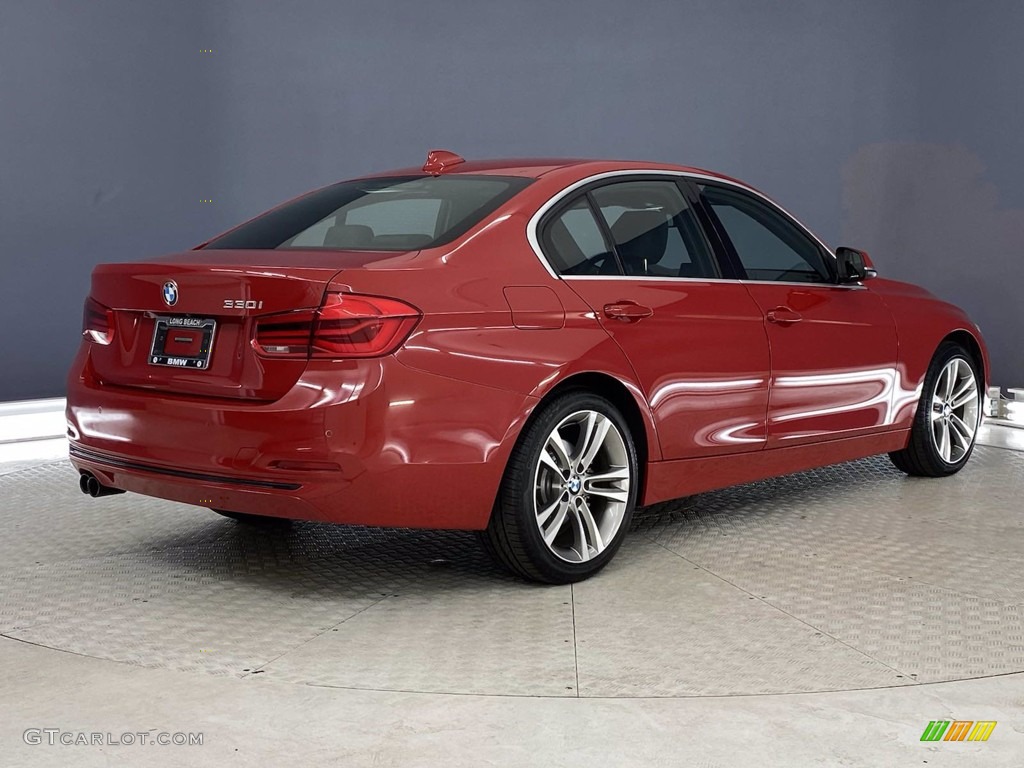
530 349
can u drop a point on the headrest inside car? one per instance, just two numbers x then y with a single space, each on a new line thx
641 237
348 236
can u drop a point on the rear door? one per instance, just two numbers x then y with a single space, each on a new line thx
635 252
833 347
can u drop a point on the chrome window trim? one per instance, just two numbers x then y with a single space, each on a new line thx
843 286
650 278
729 280
534 240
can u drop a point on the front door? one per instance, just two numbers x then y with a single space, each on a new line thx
833 347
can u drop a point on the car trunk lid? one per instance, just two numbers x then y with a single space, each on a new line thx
184 324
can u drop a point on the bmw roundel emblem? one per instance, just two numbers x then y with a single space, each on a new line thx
170 293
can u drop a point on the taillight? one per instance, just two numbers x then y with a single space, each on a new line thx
285 335
361 326
347 325
97 322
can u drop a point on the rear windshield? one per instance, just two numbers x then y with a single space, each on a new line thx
398 213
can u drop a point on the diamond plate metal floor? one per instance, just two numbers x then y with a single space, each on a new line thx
841 578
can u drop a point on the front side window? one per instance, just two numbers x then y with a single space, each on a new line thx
769 246
654 229
382 214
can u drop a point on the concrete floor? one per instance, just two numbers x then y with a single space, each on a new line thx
257 722
732 629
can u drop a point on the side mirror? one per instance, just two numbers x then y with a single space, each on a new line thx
854 265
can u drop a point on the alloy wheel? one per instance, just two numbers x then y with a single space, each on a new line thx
955 410
581 486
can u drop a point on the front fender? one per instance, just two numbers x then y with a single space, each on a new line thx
923 322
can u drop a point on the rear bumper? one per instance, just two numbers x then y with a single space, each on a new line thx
369 442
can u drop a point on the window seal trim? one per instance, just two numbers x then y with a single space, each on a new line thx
532 234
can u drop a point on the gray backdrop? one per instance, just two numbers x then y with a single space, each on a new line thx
896 127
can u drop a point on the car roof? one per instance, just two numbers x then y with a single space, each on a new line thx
536 167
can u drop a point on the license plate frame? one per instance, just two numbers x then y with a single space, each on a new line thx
165 324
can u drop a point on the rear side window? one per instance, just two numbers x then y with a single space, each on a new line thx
401 213
768 244
655 231
575 245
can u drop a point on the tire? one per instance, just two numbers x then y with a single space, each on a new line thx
552 522
259 521
948 415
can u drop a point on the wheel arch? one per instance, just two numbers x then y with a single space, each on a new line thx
627 398
968 341
504 539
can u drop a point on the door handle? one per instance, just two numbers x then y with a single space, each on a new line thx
627 311
783 316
